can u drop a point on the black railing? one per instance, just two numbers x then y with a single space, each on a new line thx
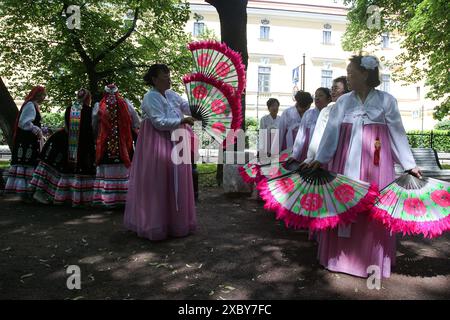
433 140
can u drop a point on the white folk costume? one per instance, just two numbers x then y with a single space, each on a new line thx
267 127
289 123
362 141
304 133
319 128
160 200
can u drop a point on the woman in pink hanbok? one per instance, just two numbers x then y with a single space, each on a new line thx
363 138
160 200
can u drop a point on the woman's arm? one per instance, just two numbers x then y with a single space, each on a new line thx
27 117
399 142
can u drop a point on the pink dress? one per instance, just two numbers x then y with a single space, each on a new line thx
160 200
353 131
303 137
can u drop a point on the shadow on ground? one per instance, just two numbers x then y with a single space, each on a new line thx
238 252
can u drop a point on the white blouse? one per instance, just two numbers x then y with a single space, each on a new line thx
27 117
379 107
267 126
308 122
319 128
289 121
165 113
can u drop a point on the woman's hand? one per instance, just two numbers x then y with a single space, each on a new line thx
188 120
314 165
416 172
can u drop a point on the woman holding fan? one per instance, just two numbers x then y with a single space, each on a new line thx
363 137
160 200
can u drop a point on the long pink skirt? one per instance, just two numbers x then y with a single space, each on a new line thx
370 243
151 207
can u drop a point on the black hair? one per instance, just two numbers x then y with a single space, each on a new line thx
272 101
154 71
326 91
303 98
343 80
373 79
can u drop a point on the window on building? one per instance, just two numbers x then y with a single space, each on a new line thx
263 79
327 78
264 32
385 40
199 28
385 82
326 34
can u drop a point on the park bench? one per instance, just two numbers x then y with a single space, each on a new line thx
427 160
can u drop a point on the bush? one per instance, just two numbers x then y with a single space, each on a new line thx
443 125
419 139
53 120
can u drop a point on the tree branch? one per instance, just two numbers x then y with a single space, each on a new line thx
119 41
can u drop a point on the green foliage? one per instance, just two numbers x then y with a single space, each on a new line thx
441 139
207 175
53 120
37 47
251 124
443 125
423 28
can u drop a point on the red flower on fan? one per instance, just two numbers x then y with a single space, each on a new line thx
200 92
415 207
284 156
286 185
441 197
218 126
204 60
222 69
344 193
218 106
389 198
311 202
254 171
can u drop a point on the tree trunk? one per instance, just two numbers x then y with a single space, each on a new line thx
233 32
8 113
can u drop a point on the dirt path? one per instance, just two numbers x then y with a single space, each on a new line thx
238 252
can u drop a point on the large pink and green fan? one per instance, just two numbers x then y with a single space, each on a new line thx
316 199
218 61
415 206
265 168
215 104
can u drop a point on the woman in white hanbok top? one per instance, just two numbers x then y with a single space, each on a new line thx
363 138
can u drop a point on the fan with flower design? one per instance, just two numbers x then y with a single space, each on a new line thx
260 168
415 206
316 199
215 104
218 61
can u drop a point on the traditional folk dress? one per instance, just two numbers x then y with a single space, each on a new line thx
26 147
114 119
304 133
319 128
66 172
160 200
267 127
362 141
290 121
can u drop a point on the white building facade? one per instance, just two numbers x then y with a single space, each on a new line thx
279 33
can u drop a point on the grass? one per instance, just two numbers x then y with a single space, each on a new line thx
4 164
207 175
445 166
